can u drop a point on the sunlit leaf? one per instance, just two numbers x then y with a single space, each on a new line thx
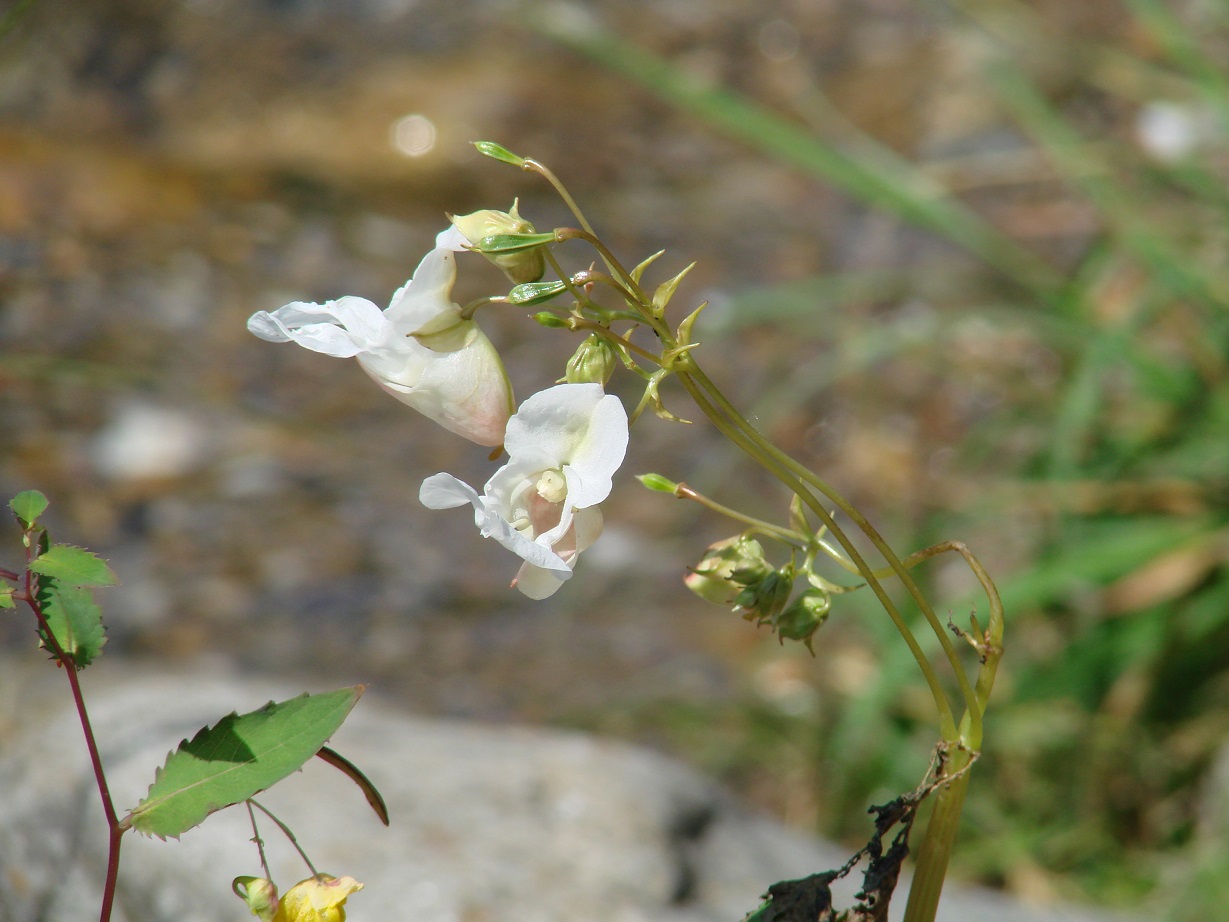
237 758
74 618
28 505
74 566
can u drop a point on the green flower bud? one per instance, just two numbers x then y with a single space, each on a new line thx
529 293
657 483
762 601
498 152
550 321
726 570
593 362
260 895
804 616
520 263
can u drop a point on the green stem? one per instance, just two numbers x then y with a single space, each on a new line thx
806 475
752 443
115 830
682 491
936 849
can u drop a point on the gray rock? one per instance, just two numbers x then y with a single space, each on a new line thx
488 823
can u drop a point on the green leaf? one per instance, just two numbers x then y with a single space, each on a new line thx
238 758
74 566
6 597
75 621
28 505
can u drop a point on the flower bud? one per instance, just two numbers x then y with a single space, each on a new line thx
519 265
260 895
498 152
804 616
727 568
764 599
593 362
657 483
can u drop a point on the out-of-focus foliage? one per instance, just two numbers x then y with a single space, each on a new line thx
1104 479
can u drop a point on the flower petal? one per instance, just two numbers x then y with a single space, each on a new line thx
537 583
451 239
552 423
466 391
427 294
443 491
341 328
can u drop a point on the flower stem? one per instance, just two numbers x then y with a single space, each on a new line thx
114 830
682 491
936 849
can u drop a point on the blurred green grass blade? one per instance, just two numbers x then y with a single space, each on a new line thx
1184 51
910 195
1102 552
1171 265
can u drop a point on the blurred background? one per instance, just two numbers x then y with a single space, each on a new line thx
968 259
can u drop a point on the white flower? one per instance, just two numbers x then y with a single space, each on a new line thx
564 445
420 349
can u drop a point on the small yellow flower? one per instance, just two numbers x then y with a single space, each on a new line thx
317 899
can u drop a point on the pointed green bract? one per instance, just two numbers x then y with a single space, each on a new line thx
498 152
528 293
237 758
74 566
75 621
665 291
28 505
638 272
512 243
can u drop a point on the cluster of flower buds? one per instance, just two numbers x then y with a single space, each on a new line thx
317 899
735 573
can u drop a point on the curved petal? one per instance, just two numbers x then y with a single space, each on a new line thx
443 491
341 328
466 391
451 239
552 423
588 527
537 583
605 444
426 294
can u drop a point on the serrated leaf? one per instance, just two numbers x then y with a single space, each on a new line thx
28 505
75 621
74 566
237 758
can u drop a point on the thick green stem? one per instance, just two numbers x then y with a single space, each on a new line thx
936 848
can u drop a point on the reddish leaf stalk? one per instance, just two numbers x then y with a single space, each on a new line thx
115 831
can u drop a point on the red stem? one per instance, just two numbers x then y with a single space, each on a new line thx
70 670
